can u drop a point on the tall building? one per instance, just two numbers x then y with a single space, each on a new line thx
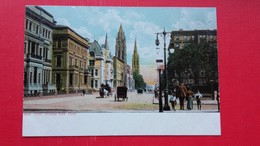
120 59
70 68
121 45
182 37
38 41
135 60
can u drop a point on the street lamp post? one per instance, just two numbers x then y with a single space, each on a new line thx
160 67
164 33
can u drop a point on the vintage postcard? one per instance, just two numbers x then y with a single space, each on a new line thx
93 71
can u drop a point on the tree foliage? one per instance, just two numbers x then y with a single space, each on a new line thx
139 81
191 60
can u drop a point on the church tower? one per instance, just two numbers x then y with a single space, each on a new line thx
120 59
121 45
135 60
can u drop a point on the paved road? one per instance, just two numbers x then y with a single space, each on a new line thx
93 103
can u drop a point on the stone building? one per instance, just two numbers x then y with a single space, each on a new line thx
70 61
38 41
101 65
183 37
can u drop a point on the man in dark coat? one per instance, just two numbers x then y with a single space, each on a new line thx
182 94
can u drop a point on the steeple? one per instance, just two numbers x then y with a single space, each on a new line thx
135 47
106 44
120 28
135 60
121 45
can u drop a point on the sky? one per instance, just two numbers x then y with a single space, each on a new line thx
140 23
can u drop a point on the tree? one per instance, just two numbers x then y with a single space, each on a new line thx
193 59
139 81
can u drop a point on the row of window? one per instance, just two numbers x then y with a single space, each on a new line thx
185 38
34 49
77 62
94 83
76 48
38 29
36 75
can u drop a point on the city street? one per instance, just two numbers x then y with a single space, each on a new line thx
93 103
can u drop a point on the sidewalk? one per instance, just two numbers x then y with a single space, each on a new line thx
93 103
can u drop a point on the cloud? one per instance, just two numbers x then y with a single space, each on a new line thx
108 20
196 18
134 15
63 21
84 32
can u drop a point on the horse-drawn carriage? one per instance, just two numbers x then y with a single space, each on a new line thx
121 92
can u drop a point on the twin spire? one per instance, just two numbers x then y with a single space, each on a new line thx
121 49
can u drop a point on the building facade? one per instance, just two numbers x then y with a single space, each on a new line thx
109 69
120 59
183 37
130 84
97 65
70 58
101 65
38 41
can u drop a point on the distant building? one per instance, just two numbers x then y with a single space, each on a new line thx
135 60
183 37
101 65
130 84
38 41
70 68
120 59
109 69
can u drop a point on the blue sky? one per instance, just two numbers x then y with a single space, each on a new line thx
138 22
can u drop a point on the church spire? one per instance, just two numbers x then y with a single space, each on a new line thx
121 45
135 59
135 47
106 43
120 28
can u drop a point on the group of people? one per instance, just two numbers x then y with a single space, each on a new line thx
183 93
105 91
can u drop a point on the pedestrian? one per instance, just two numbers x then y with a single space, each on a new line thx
156 92
173 101
189 99
198 96
83 92
182 90
101 91
108 89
